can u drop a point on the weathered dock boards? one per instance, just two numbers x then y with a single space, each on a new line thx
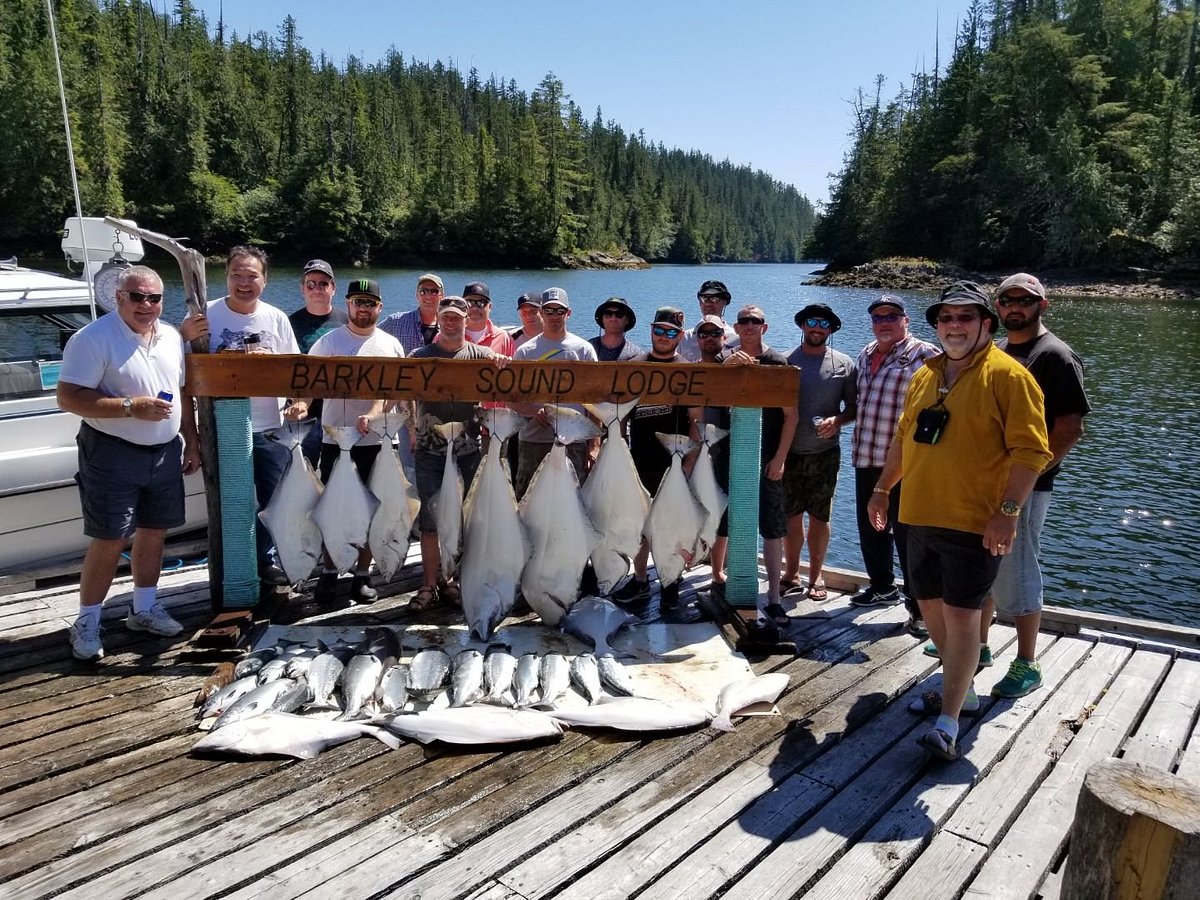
99 796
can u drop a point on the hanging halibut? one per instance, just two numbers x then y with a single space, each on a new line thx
346 507
703 481
399 504
495 546
448 505
289 514
676 516
560 532
615 499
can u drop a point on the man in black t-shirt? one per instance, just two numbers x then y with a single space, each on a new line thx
318 315
1017 591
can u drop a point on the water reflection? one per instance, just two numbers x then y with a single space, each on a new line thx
1122 533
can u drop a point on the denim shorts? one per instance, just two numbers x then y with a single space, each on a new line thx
1018 587
951 566
123 487
430 467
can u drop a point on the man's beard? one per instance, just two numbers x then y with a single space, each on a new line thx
815 339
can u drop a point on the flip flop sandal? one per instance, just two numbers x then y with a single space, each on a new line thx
937 743
930 704
777 614
817 592
425 597
787 584
449 592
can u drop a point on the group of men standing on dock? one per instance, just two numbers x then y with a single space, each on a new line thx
975 431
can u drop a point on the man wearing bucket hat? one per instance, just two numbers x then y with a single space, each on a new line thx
615 318
1017 592
969 444
713 298
828 400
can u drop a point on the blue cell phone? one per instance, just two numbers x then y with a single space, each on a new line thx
166 395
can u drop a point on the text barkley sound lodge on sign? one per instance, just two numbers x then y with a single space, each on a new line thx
237 375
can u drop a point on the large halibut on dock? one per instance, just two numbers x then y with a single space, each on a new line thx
288 516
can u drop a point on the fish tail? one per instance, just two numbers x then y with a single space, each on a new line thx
678 444
711 434
344 437
610 413
450 430
723 722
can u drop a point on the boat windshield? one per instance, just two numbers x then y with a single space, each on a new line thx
31 348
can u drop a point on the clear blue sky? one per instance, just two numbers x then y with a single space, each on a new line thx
767 83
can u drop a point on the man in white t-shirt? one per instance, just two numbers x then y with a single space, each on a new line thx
358 337
556 344
123 374
241 322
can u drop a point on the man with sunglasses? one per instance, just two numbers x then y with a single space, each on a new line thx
650 457
360 336
828 400
1017 591
713 297
537 436
418 327
970 444
479 327
885 367
615 318
317 316
123 374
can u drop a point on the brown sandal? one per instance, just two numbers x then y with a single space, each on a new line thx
425 597
449 592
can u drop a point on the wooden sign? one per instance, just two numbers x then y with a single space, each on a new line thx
264 375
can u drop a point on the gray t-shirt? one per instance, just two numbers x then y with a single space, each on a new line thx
571 348
828 386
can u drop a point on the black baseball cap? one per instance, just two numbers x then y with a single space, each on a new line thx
478 288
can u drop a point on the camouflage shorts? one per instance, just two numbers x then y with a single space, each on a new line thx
809 480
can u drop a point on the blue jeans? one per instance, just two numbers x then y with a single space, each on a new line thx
270 462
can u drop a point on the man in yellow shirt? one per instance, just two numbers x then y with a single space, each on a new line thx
970 444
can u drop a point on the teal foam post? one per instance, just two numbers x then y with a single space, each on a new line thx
239 509
745 473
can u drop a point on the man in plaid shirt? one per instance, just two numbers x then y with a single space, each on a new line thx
885 367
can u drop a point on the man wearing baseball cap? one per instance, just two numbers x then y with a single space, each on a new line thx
1017 592
713 297
318 315
885 367
418 327
529 309
360 336
480 329
615 317
828 400
970 444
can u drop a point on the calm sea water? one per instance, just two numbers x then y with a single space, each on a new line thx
1122 536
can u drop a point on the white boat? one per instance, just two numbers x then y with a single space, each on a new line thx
40 519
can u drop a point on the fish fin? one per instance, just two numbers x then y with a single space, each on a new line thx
502 422
608 412
723 723
678 444
344 437
450 430
382 735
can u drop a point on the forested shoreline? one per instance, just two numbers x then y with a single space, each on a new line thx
1062 133
226 138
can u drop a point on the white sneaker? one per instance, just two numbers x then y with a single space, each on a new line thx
85 641
154 620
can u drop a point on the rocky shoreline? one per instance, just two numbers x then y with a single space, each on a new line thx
599 259
925 275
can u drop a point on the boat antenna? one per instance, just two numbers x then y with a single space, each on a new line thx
62 96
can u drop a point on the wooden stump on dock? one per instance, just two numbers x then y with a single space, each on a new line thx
1136 834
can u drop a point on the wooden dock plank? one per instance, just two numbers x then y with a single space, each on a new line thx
1163 731
940 871
1028 850
872 865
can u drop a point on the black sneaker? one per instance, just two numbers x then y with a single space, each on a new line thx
868 596
361 590
668 595
273 575
634 589
326 592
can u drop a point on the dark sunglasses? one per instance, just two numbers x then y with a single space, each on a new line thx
879 319
478 301
812 322
554 310
620 313
961 318
710 333
366 302
751 320
139 297
428 291
665 331
1024 301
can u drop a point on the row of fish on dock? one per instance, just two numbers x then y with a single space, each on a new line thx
279 700
494 545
